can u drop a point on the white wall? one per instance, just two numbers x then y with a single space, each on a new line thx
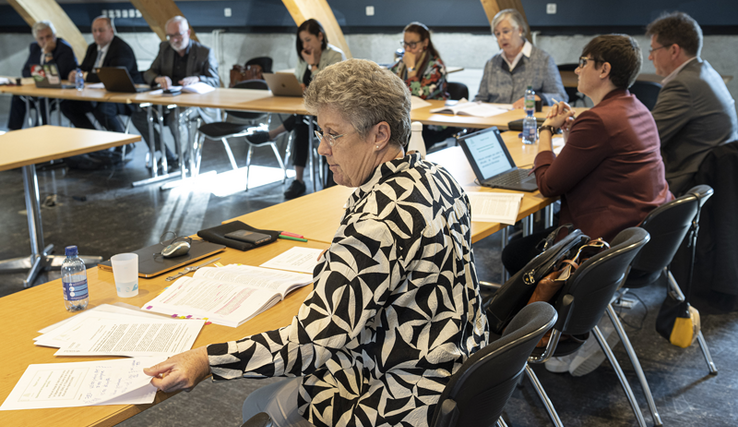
463 50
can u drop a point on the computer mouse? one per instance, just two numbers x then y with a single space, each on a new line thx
176 248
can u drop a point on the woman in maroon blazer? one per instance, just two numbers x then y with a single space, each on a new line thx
609 174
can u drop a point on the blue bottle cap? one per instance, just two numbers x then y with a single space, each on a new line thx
70 250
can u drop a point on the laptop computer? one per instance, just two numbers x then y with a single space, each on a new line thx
283 84
47 76
492 163
117 79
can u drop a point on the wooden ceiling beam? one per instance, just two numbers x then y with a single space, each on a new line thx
33 11
157 13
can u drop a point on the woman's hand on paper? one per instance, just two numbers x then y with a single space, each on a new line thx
180 372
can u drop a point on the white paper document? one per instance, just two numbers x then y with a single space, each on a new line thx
227 296
66 385
495 207
476 109
558 144
111 334
418 102
301 260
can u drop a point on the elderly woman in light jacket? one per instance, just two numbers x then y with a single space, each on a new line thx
518 65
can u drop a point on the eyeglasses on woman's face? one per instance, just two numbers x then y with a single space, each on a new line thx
329 138
584 60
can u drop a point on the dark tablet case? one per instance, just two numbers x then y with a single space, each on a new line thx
217 235
151 266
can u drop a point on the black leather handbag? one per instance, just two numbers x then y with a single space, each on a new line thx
516 292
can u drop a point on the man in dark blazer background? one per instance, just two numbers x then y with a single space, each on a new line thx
181 61
45 50
108 50
694 111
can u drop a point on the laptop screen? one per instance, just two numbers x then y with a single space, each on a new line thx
486 153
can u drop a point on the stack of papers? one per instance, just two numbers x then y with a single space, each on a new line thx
66 385
495 207
114 331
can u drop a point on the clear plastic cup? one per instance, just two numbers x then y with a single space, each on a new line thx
125 272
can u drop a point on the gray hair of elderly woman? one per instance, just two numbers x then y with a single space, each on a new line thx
516 18
364 94
42 25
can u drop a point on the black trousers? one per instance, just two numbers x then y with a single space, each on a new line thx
301 140
18 111
106 113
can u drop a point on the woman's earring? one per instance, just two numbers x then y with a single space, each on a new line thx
377 147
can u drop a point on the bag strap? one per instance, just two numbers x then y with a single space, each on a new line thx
549 240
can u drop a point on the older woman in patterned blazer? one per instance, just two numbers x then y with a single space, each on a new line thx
396 308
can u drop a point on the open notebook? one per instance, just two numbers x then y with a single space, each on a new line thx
229 295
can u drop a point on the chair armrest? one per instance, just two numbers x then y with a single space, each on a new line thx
261 419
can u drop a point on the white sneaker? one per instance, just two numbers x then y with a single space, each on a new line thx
591 356
559 365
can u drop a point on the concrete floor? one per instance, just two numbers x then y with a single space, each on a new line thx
114 217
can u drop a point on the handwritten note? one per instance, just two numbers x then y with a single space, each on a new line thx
66 385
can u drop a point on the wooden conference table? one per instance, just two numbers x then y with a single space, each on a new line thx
317 215
26 147
36 308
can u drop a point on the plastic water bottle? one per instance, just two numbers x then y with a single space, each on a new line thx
416 139
74 281
529 122
79 81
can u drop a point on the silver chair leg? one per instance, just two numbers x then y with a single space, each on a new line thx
621 376
279 159
543 396
636 364
679 296
227 147
197 159
706 353
248 165
505 234
501 422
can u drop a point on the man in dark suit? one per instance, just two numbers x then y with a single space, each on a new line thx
181 61
108 50
694 111
45 50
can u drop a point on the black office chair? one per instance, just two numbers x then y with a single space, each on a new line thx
264 61
580 305
478 391
717 245
646 92
457 90
571 92
245 123
667 225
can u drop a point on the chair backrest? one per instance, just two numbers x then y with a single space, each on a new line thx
478 391
249 84
667 225
264 61
646 92
593 284
457 90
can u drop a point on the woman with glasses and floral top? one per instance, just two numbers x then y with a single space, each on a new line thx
421 67
424 73
519 64
610 174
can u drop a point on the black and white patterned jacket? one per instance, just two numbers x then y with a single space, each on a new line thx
394 313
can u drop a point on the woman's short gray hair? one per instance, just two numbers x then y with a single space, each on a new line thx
42 25
364 94
515 17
